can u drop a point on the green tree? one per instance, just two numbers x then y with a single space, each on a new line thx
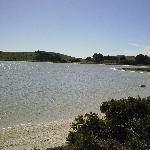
98 57
141 59
147 60
88 59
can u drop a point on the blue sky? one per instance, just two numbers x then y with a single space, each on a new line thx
76 27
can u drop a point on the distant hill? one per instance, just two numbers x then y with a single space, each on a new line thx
37 56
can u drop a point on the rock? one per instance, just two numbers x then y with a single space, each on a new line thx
142 85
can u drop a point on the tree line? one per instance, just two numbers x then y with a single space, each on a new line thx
120 59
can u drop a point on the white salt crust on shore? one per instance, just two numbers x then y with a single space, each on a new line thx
29 136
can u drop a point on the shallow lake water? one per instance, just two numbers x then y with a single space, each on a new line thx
40 92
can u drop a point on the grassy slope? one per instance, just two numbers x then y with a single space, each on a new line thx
26 56
17 56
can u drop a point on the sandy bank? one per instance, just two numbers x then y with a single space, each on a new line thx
29 136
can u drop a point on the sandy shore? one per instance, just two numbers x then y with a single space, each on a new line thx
41 136
29 136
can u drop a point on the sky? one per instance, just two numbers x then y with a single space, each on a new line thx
78 28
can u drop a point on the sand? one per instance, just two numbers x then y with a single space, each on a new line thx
41 136
29 136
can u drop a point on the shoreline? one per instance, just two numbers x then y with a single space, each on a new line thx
30 136
40 136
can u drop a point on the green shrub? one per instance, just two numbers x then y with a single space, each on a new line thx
88 131
67 147
126 126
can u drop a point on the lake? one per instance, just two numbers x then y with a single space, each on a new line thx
39 92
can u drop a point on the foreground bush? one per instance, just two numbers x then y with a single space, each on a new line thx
126 126
67 147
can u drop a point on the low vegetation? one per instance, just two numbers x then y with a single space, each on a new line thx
39 56
126 126
119 59
67 147
97 58
145 69
17 56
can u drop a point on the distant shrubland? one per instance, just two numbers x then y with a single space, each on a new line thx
43 56
143 69
120 59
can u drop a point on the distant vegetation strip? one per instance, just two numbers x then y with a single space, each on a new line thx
39 56
120 59
17 56
97 58
145 69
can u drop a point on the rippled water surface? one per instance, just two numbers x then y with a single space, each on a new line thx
39 92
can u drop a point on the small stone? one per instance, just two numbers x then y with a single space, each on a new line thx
143 85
